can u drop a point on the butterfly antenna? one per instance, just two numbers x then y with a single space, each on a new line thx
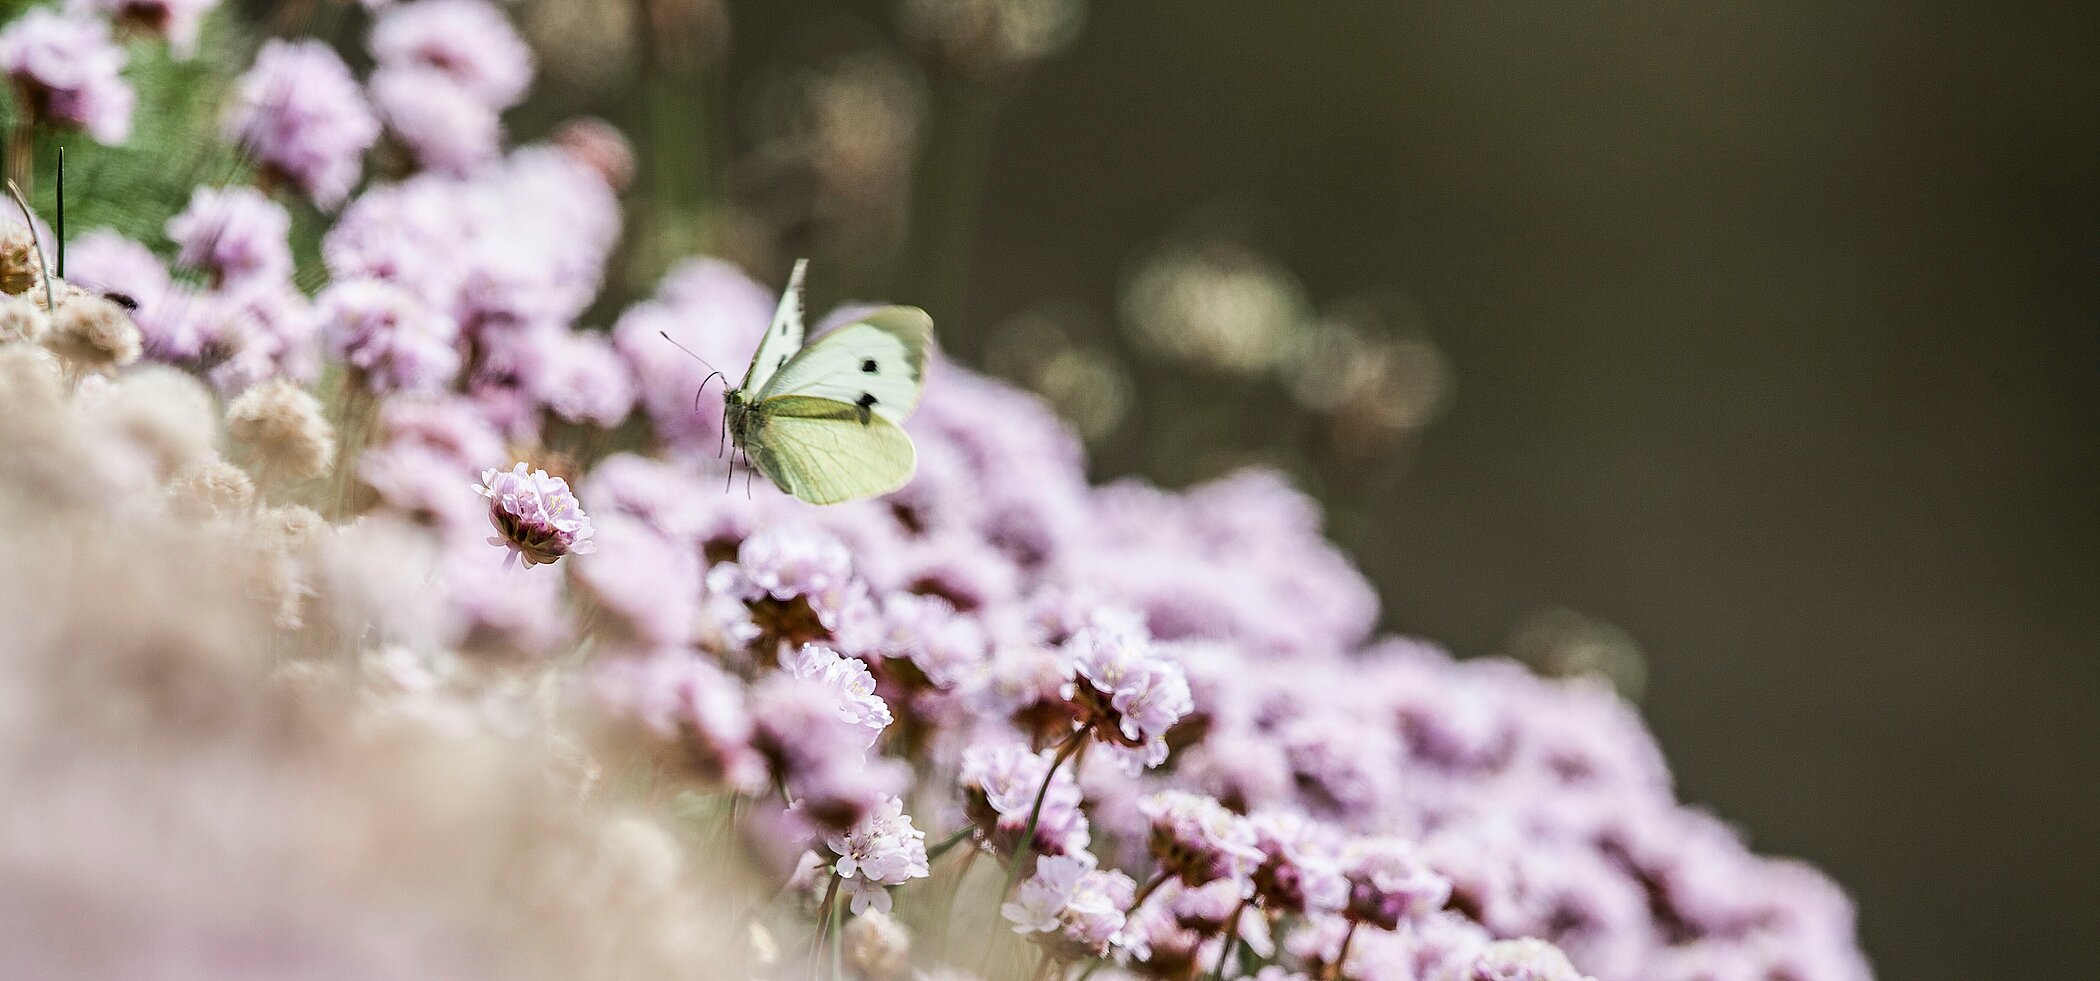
695 355
713 373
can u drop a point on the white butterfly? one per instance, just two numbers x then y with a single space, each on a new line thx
823 422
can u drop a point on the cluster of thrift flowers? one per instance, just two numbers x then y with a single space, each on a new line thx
67 69
1159 718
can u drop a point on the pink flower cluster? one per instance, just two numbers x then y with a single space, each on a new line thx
1162 715
67 69
447 70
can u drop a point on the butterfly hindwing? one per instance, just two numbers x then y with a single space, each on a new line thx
826 451
876 363
783 338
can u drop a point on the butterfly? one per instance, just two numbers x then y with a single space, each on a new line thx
823 422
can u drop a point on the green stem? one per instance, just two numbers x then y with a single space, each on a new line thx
824 911
838 913
1145 893
1341 958
1026 846
961 834
1232 941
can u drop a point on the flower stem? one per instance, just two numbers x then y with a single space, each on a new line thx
824 911
1026 846
1341 958
1145 893
838 913
1232 941
962 834
14 191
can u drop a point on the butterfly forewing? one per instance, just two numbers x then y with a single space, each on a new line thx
825 451
783 337
877 364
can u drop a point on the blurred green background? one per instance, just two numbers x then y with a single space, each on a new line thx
1744 351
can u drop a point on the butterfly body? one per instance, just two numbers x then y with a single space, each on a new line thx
824 421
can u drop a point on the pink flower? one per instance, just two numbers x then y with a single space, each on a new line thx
1299 872
1389 881
535 516
396 342
686 700
470 42
1074 908
301 115
1000 784
445 127
581 379
69 70
851 686
1130 691
1523 960
1198 840
881 849
236 234
176 20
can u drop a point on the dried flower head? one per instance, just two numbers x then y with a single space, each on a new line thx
168 416
210 489
877 946
20 269
21 321
93 334
282 424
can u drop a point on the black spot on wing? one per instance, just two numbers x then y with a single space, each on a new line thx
868 365
866 400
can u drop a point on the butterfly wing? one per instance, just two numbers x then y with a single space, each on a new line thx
825 451
877 363
782 339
